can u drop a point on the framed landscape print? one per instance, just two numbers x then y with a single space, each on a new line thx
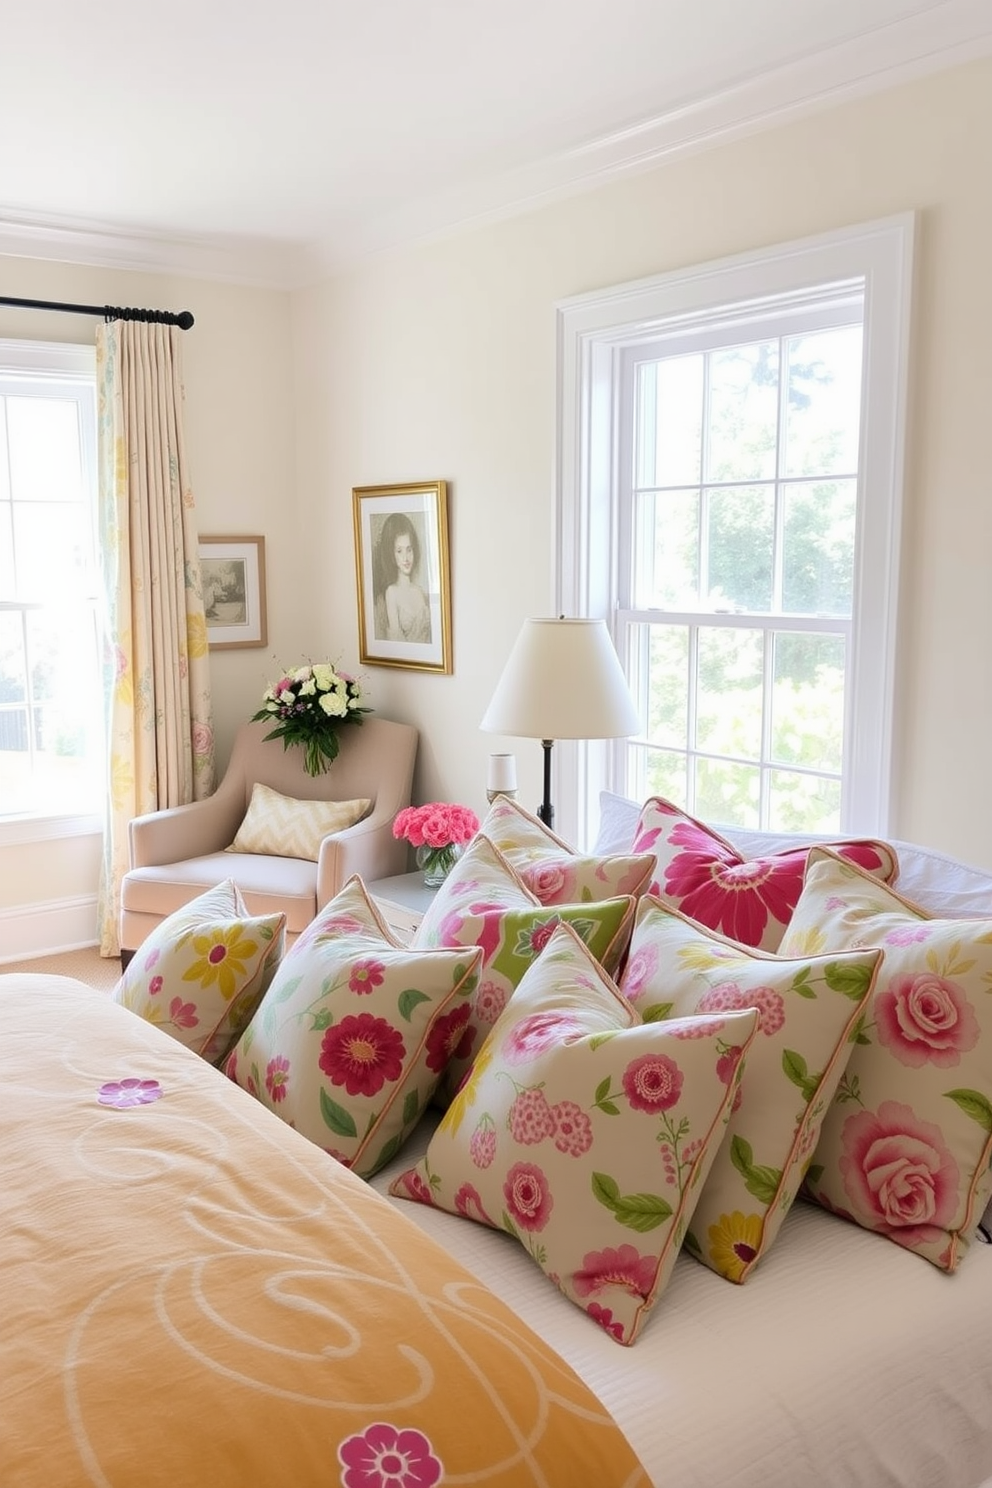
404 585
232 571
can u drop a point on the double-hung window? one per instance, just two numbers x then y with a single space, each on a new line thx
51 710
730 491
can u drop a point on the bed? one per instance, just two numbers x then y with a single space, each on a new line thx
196 1293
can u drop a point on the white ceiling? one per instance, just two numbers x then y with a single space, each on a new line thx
272 144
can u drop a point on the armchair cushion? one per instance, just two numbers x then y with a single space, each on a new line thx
288 828
179 852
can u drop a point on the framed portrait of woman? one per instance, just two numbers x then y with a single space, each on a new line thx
404 582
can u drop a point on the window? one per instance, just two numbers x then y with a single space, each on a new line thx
730 488
51 709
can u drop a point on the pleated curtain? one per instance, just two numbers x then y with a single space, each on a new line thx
160 727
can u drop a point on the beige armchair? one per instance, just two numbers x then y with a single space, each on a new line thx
178 853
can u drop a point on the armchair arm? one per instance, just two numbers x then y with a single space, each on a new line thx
368 849
181 832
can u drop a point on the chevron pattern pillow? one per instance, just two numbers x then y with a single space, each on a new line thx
288 828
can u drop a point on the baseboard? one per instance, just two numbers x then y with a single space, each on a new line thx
48 928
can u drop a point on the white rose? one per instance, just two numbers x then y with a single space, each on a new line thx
272 706
308 688
332 705
324 676
301 674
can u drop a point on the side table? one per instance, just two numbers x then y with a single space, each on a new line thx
402 900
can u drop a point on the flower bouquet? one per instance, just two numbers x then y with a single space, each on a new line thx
438 831
308 706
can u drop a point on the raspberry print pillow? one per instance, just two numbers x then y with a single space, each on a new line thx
906 1143
749 900
202 971
586 1133
554 871
355 1031
484 904
809 1010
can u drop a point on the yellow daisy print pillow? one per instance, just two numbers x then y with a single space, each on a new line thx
202 972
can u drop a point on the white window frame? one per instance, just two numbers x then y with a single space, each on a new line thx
592 331
56 361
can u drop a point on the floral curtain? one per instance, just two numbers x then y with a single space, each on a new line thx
160 739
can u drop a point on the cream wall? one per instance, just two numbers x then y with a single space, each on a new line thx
439 362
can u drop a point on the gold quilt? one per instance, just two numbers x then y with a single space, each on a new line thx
195 1295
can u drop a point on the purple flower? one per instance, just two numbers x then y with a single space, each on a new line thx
129 1092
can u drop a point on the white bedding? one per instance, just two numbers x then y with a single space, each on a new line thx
844 1362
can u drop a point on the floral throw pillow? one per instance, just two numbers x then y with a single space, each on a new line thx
809 1010
201 972
554 871
355 1031
906 1143
483 903
749 900
587 1134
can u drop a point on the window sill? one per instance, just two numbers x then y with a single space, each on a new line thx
17 830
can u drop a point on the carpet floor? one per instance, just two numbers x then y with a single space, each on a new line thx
86 965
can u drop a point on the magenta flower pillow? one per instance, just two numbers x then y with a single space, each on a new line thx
587 1134
483 903
906 1143
551 869
200 974
750 900
809 1009
355 1031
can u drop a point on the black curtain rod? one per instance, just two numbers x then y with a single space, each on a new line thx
181 318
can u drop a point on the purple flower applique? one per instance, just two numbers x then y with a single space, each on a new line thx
123 1094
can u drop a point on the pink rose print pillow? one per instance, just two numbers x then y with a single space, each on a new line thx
906 1143
750 900
484 904
587 1134
551 869
808 1010
201 973
355 1031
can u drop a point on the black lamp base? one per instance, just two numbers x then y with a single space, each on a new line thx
546 812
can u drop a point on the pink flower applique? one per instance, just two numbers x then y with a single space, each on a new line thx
548 881
450 1037
573 1129
639 970
384 1456
469 1204
366 976
129 1092
528 1196
620 1267
604 1317
277 1078
533 1035
652 1083
907 935
155 985
925 1019
183 1014
362 1053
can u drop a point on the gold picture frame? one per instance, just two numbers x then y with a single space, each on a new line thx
232 572
404 580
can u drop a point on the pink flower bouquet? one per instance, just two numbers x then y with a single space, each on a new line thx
438 831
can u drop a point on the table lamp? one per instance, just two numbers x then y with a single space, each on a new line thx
562 680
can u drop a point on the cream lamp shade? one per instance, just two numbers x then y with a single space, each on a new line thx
562 680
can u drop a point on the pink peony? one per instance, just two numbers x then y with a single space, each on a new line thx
652 1083
898 1173
438 824
534 1035
527 1195
549 881
925 1018
621 1267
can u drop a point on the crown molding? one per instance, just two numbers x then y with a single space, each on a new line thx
939 37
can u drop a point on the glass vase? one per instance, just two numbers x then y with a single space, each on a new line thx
435 863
